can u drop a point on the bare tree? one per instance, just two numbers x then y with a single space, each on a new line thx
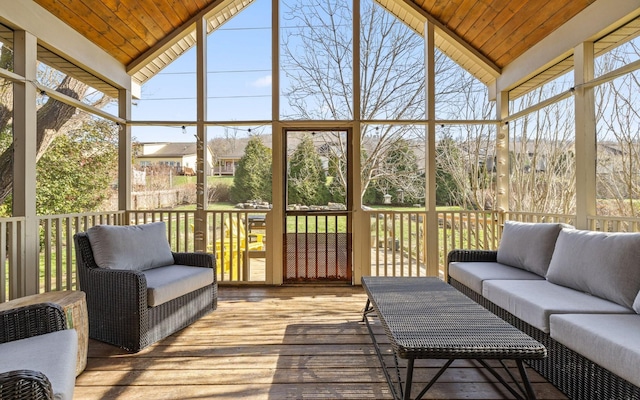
465 153
618 117
317 64
542 167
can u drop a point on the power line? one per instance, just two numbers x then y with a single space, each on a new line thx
215 72
209 97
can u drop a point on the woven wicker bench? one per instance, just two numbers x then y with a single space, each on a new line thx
425 318
575 291
571 372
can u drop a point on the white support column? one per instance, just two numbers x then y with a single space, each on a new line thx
200 223
124 152
360 220
275 218
585 135
24 166
430 149
502 153
361 228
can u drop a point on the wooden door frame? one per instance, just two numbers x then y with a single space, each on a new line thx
349 198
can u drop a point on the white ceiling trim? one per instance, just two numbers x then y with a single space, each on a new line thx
66 42
596 20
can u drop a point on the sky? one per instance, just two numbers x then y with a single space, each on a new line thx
239 81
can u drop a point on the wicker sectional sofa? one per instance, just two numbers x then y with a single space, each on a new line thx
138 290
575 291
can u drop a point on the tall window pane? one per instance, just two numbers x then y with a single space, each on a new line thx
316 60
6 121
170 95
393 165
459 95
239 66
542 160
618 150
392 76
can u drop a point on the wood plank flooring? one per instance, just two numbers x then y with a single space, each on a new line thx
291 342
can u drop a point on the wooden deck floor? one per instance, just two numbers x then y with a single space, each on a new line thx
301 342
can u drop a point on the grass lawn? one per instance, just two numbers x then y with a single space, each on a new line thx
220 206
211 180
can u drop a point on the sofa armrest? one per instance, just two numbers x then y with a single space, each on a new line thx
206 260
116 303
25 385
121 291
472 255
32 320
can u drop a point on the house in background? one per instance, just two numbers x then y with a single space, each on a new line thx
226 164
179 157
229 151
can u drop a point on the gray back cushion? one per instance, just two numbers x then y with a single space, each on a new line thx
137 247
603 264
528 245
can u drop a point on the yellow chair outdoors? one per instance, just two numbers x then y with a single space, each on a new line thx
235 226
234 245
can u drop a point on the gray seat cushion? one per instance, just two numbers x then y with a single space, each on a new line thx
170 282
472 274
54 354
611 341
533 301
528 245
137 247
604 264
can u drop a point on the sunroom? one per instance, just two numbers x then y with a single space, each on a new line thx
519 111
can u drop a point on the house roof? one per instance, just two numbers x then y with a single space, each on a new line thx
168 150
482 36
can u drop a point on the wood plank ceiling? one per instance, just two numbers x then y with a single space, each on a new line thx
502 30
497 30
125 28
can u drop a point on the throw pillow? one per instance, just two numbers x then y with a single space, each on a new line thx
528 245
136 247
603 264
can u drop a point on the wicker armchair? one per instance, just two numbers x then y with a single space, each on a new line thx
23 323
117 302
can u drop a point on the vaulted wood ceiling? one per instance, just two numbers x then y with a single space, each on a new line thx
141 33
125 28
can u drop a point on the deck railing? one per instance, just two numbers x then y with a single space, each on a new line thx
614 224
398 241
398 238
12 239
537 217
239 249
56 250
